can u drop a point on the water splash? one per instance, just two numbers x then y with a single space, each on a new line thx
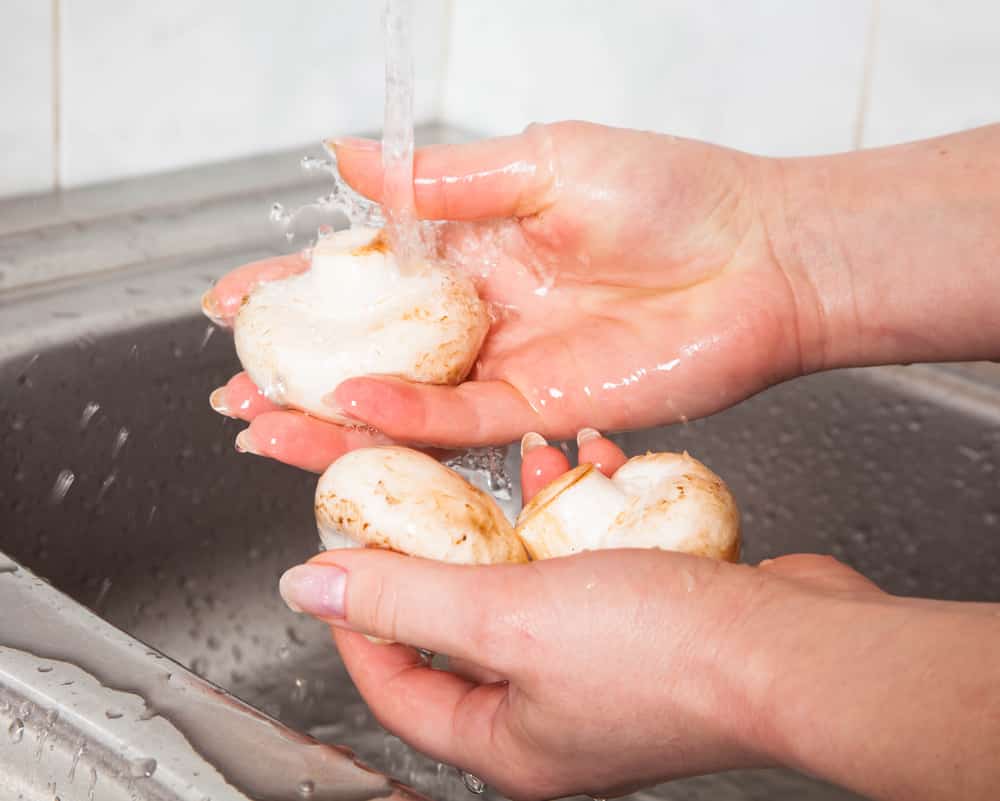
492 463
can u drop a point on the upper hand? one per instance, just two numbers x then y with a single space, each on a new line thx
665 302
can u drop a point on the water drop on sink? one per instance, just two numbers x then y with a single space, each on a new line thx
44 668
62 485
142 768
16 730
205 337
306 788
120 439
473 783
92 408
110 714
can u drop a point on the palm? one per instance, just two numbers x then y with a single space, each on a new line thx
592 337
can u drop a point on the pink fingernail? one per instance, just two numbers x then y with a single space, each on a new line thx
315 590
245 443
587 435
530 441
217 400
355 143
348 409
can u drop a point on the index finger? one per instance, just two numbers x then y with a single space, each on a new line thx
223 301
509 176
440 714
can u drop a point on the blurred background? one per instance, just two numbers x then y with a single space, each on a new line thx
101 90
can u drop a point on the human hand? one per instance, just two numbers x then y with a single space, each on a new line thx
599 673
634 273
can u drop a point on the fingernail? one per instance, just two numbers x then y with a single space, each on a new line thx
586 435
765 562
355 143
530 441
347 409
314 589
245 444
217 400
210 308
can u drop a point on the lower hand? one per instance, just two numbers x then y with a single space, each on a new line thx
600 673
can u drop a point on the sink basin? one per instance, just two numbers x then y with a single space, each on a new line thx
123 489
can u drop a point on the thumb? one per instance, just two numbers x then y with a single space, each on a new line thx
457 610
511 176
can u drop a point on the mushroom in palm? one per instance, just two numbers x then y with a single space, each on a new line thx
357 312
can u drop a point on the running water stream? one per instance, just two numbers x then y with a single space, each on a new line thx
397 135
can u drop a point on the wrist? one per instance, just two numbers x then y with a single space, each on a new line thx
805 246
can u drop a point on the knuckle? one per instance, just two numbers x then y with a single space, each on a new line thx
382 611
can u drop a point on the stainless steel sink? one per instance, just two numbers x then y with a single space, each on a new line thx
122 488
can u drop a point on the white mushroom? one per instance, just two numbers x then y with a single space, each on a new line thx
403 500
354 312
660 500
397 498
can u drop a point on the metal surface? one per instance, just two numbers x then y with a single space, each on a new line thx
119 485
89 710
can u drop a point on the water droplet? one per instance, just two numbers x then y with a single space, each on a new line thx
209 332
44 668
16 730
92 408
142 768
62 485
76 761
306 788
102 593
473 783
111 714
18 422
109 480
120 439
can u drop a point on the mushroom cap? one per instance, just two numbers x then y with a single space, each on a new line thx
403 500
661 500
353 313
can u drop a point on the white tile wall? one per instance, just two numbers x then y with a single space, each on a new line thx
153 86
776 77
147 87
936 69
26 147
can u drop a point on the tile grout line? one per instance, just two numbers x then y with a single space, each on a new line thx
56 67
864 96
